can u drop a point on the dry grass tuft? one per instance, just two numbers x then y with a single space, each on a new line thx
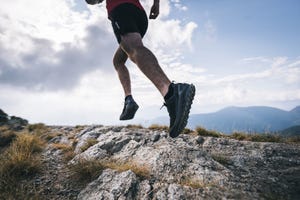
69 155
238 136
19 161
21 157
188 131
257 137
293 139
88 144
134 126
196 184
67 150
264 138
86 170
203 132
140 170
37 129
49 136
158 127
62 147
220 158
6 136
79 128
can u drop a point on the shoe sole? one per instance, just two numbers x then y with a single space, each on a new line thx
186 111
131 110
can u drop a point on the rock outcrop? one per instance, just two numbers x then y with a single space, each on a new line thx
15 123
139 163
189 167
3 117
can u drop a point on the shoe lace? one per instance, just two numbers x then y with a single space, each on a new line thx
164 105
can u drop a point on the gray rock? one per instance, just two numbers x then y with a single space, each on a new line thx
88 133
15 123
200 140
3 117
144 190
155 137
175 192
111 185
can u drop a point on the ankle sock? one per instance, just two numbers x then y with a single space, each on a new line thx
129 97
170 92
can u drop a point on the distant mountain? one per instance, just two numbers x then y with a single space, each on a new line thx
291 131
247 119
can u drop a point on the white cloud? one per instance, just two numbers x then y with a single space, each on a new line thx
179 5
279 81
254 59
54 55
210 31
55 65
280 68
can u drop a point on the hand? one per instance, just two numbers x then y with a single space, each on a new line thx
93 2
154 12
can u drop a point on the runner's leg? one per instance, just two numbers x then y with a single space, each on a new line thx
119 61
132 44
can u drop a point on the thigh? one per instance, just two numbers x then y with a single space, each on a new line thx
130 42
127 18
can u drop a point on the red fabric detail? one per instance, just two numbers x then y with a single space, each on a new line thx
111 4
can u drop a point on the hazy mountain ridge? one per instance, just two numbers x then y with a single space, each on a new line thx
291 131
245 119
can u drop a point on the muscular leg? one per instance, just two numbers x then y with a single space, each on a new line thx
119 61
132 44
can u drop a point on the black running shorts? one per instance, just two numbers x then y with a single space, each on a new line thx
127 18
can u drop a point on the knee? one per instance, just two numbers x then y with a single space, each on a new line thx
134 51
132 43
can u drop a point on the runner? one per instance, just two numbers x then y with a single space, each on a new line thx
130 22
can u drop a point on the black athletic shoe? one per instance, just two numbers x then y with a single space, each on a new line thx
179 105
129 110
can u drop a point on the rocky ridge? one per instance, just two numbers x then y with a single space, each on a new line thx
188 167
141 163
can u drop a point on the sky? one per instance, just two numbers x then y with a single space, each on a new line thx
56 58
